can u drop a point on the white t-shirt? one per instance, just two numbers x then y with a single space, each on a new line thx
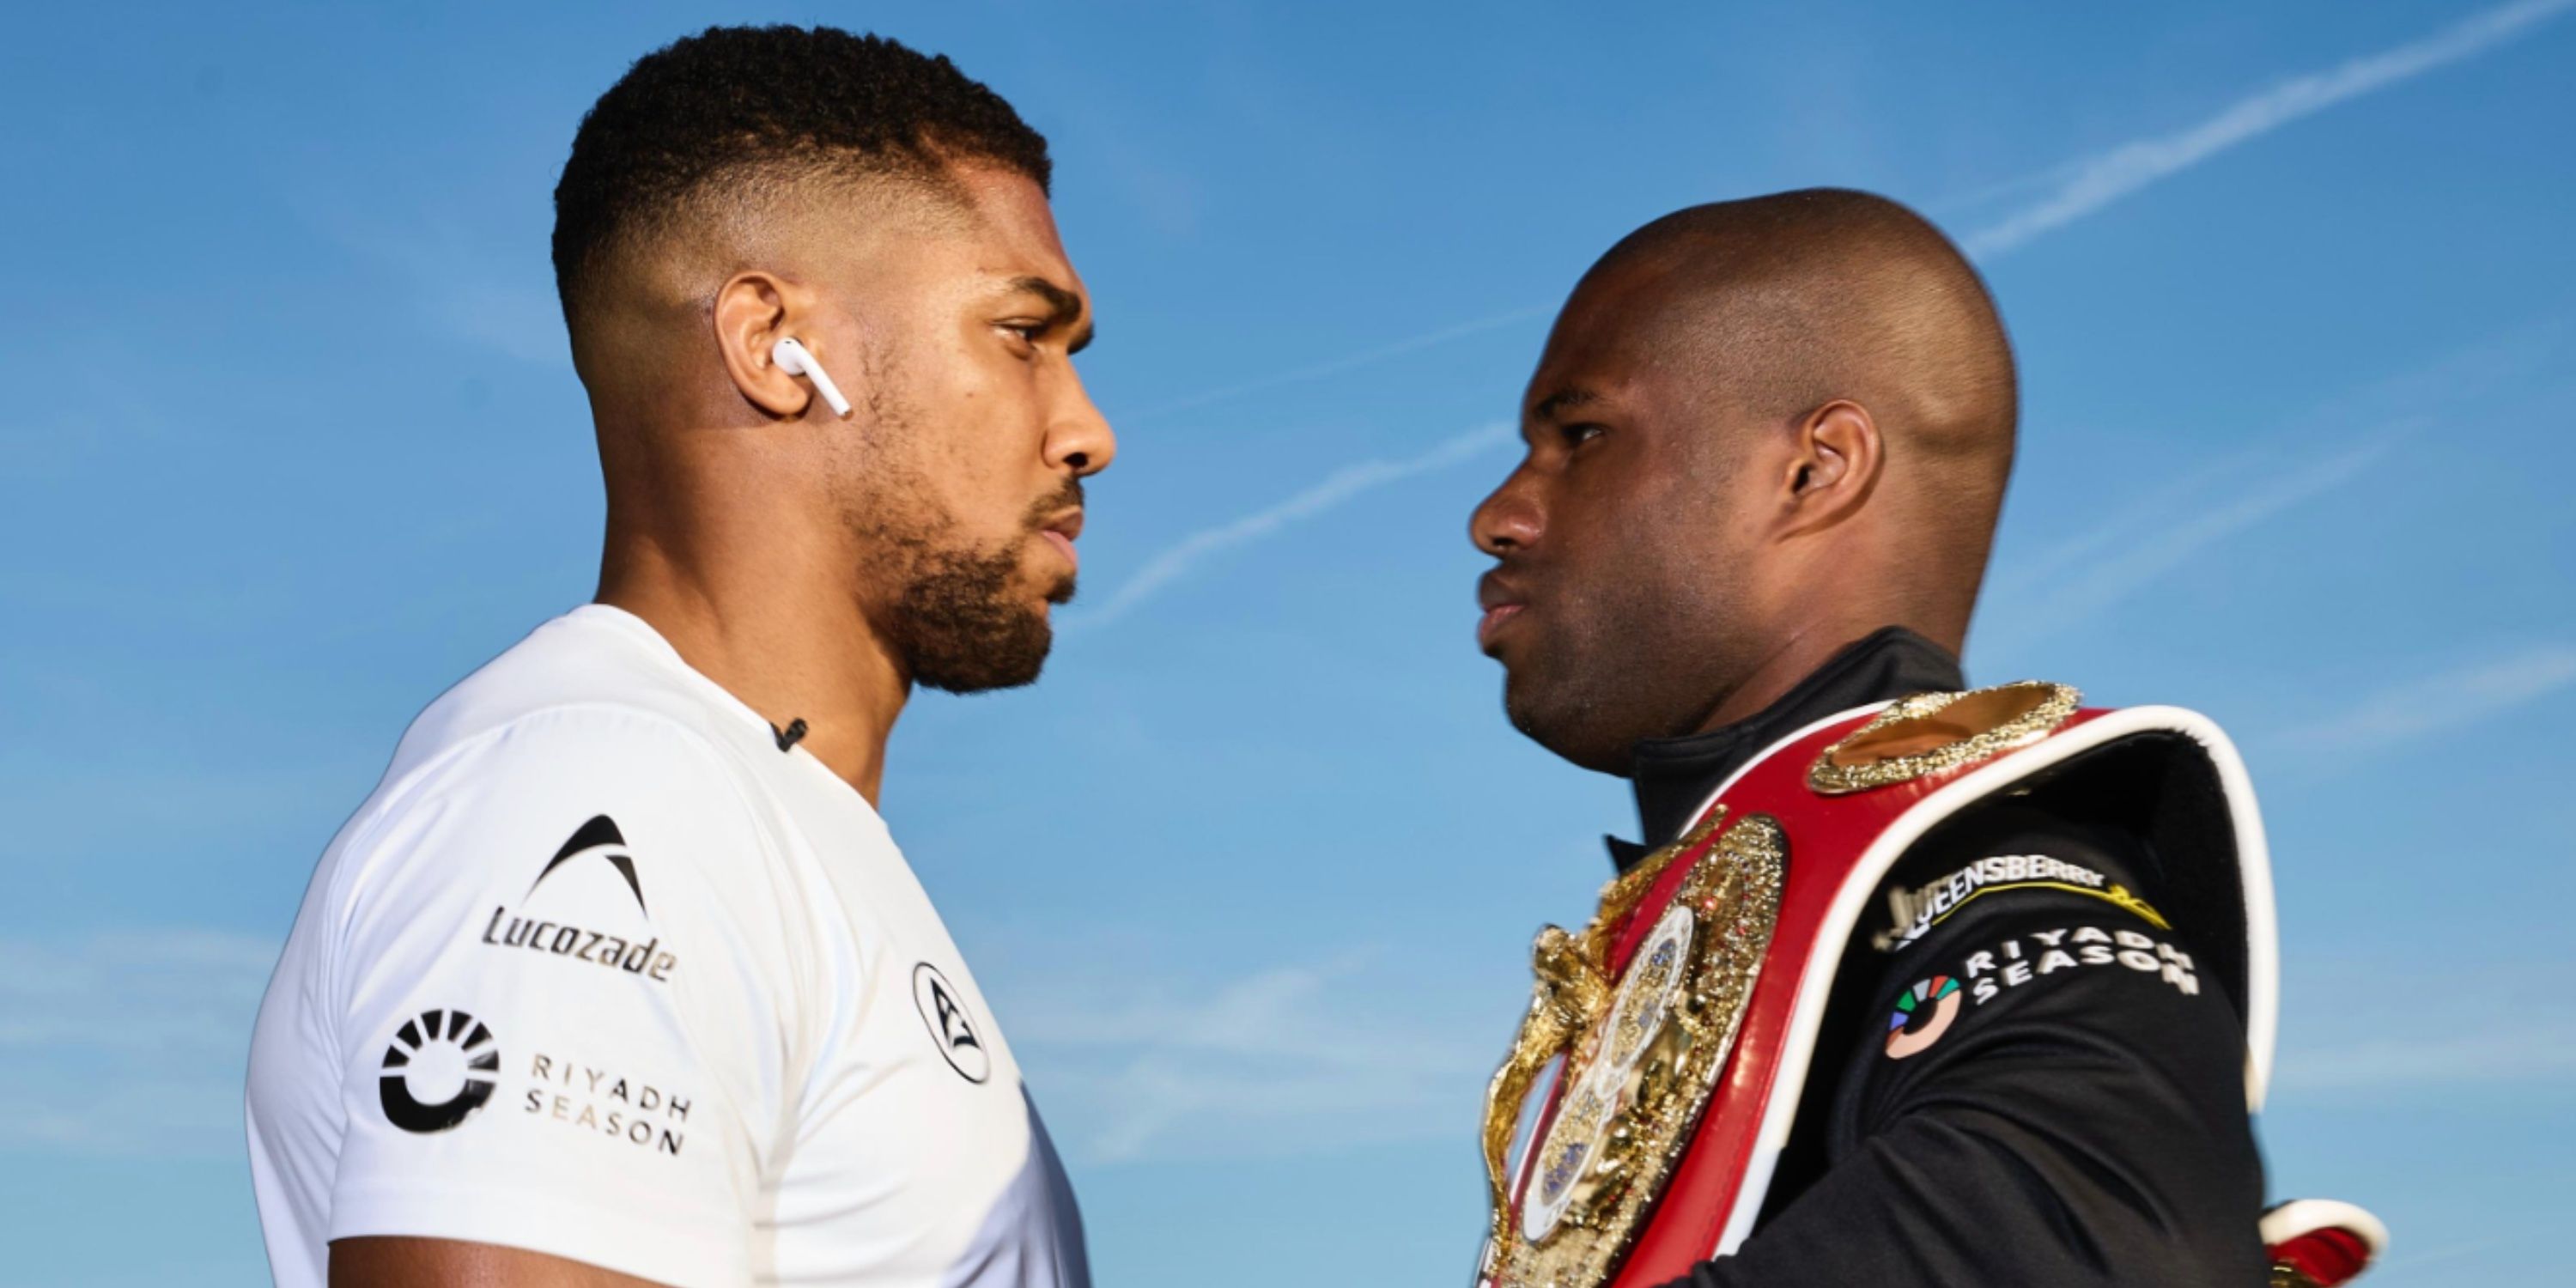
599 971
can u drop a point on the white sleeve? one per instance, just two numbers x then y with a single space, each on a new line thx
565 987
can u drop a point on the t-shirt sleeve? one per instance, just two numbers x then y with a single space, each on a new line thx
2041 1087
563 981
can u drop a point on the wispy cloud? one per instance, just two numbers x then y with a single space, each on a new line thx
2115 174
130 1041
2522 1051
2119 558
2452 700
461 291
1350 481
1290 1059
1336 366
2483 1023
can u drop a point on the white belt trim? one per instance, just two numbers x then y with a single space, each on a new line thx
2253 861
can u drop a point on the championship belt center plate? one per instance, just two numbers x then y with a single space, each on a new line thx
1641 1055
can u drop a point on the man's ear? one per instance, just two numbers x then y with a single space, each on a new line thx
753 312
1833 467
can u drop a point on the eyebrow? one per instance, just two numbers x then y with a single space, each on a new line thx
1065 308
1563 400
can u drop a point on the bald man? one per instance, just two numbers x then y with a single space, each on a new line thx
1902 987
618 977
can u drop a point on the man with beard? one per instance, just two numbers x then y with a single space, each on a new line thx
1912 988
618 976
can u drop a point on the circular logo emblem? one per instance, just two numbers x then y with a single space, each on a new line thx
950 1026
1923 1013
447 1057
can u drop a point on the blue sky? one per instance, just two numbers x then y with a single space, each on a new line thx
288 442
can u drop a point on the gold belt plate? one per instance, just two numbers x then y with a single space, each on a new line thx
1642 1054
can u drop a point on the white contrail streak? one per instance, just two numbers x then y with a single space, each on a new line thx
1345 483
2127 168
2442 703
2080 188
1336 366
2128 554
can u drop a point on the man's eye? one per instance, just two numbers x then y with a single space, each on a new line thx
1578 435
1027 332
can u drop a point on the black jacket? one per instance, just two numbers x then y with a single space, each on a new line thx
2026 1075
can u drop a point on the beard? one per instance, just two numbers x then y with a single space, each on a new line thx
961 626
958 618
961 621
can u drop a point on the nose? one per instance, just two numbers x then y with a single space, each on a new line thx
1079 439
1508 519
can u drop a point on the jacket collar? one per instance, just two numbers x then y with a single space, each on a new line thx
1672 776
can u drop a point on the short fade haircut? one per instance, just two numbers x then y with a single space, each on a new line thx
750 106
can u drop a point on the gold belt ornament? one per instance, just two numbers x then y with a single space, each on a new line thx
1642 1053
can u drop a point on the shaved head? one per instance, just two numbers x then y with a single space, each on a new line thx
1786 302
1761 429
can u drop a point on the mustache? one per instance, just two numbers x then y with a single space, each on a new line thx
1044 512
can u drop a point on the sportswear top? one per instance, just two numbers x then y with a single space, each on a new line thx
2024 1075
601 971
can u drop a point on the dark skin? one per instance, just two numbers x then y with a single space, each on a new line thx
752 527
1760 430
1669 563
394 1262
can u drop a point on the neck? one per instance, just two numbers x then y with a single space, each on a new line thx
771 618
1797 653
1791 659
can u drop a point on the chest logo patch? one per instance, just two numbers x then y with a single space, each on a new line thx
950 1026
1921 1016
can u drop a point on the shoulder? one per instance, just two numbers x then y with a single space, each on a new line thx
576 760
591 714
594 668
569 762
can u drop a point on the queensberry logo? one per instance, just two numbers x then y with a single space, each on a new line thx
599 839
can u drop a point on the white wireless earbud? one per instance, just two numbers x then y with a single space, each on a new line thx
795 359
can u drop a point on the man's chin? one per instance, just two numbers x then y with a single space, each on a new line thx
1010 667
1004 650
1568 726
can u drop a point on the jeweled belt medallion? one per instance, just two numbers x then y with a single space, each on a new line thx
1641 1054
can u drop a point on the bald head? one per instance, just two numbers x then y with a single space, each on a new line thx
1760 429
1786 302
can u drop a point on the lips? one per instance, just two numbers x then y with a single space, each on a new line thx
1501 602
1063 546
1060 533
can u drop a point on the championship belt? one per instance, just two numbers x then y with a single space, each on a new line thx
1683 1018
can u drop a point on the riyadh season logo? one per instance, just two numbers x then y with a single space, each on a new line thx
1923 1013
949 1024
443 1054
